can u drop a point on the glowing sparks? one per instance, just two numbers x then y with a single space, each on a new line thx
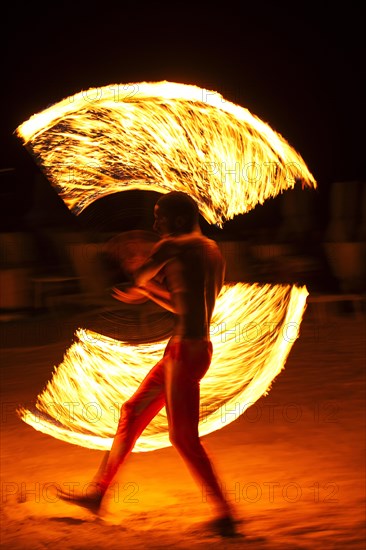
165 136
82 401
162 136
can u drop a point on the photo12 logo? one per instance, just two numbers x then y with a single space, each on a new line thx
50 492
274 491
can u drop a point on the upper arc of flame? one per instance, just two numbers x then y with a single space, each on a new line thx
162 136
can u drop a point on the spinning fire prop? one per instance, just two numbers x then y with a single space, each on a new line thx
165 136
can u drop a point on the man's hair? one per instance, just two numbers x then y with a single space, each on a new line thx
177 203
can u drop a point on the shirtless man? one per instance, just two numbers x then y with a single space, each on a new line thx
193 270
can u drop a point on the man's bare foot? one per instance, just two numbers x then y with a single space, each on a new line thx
224 526
90 502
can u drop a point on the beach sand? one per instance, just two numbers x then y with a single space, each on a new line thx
293 465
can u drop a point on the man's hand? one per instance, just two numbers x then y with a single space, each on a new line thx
130 294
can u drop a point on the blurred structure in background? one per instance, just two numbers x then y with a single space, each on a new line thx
345 237
17 261
293 252
51 260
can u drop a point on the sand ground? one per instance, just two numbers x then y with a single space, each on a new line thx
293 465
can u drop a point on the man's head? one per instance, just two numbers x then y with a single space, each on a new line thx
176 213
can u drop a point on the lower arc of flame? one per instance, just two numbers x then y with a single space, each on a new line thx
81 402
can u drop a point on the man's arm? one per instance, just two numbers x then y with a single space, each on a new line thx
151 290
147 271
160 256
159 294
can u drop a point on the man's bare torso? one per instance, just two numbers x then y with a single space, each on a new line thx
194 276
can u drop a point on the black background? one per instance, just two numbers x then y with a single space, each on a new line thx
298 66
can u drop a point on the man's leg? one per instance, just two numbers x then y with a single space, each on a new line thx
136 413
184 368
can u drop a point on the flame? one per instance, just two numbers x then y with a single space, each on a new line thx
162 136
81 402
165 136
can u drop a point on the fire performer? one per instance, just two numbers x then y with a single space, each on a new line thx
192 268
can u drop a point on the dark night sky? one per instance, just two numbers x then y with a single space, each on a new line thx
298 66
